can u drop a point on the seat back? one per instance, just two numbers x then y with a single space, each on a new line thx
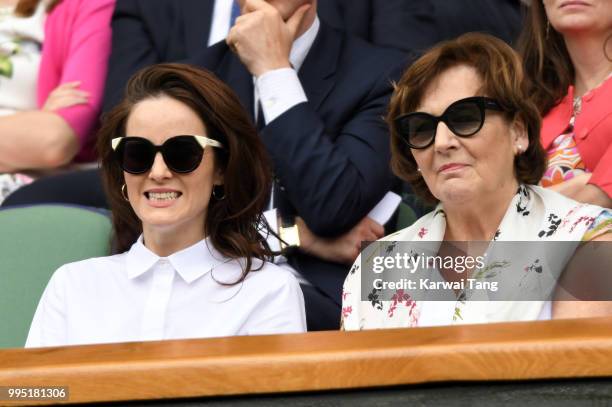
34 242
405 217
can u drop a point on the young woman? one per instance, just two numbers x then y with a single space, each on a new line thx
187 179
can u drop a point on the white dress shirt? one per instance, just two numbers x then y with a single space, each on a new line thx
139 296
221 20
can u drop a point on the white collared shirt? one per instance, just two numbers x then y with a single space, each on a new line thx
220 21
138 296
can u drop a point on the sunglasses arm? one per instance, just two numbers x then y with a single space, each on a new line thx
205 141
115 142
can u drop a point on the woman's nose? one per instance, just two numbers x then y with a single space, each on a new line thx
159 170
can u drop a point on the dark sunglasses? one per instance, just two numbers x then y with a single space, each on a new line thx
182 154
464 117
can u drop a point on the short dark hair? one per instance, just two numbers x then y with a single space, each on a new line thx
232 223
503 79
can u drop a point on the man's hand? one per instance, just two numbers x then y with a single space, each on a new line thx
342 249
65 95
260 37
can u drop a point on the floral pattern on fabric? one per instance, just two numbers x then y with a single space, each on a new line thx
535 214
10 182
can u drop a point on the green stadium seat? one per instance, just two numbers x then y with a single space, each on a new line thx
34 242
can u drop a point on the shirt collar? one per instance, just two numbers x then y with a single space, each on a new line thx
190 263
302 45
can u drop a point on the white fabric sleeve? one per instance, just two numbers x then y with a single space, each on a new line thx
279 90
351 298
48 327
282 309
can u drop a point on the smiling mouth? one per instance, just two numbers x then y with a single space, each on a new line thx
162 196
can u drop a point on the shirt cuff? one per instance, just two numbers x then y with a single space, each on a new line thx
273 242
279 90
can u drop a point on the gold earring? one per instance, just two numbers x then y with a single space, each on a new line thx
124 192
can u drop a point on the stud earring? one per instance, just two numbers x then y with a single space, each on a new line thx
219 196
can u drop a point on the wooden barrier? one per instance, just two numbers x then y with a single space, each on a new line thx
316 361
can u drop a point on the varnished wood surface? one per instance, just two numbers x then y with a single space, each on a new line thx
316 361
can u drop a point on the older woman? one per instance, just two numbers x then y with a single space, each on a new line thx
187 179
567 51
465 134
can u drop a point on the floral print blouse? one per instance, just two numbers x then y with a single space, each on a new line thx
535 214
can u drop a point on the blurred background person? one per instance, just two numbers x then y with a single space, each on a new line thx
187 178
466 135
53 60
567 51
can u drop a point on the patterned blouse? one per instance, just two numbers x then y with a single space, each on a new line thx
535 215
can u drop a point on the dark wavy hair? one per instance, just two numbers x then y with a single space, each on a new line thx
545 57
232 223
503 79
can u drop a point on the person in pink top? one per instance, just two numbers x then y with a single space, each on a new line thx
567 52
56 61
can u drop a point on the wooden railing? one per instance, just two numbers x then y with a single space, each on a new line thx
316 361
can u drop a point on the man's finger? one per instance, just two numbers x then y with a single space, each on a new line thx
230 40
294 22
376 227
254 5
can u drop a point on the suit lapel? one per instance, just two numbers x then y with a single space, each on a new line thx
319 67
197 16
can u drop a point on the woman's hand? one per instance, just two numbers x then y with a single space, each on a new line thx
342 249
65 95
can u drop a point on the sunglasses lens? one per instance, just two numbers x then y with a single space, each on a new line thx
135 155
465 119
182 154
418 129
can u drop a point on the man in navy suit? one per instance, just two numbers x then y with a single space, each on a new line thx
147 32
321 96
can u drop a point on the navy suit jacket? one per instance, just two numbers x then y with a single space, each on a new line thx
416 25
330 154
147 32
